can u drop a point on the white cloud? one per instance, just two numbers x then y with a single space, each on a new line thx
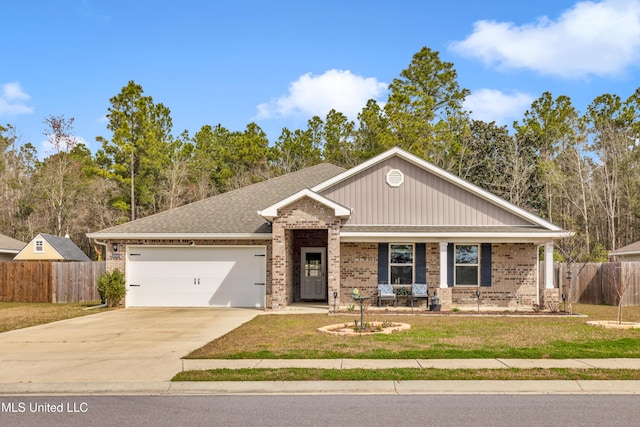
592 38
317 94
13 100
47 149
490 105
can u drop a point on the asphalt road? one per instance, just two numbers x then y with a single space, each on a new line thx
331 410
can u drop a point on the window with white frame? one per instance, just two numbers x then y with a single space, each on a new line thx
467 265
401 264
38 246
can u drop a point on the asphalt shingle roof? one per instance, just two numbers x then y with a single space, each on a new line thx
232 212
633 247
65 247
10 244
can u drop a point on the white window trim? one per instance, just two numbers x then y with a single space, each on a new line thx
38 246
413 262
455 265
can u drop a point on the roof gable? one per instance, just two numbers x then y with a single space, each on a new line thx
53 248
271 212
426 195
68 250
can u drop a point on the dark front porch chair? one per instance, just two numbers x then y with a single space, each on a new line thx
385 293
419 291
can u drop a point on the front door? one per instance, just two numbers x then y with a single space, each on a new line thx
313 283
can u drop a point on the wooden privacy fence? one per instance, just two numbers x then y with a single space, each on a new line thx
596 283
46 281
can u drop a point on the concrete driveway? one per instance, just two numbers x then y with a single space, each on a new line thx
124 345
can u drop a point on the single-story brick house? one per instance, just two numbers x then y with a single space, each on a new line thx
323 231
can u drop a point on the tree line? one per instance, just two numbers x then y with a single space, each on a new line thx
579 170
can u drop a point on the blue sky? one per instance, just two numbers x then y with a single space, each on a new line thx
278 63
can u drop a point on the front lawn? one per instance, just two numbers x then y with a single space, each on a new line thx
17 315
432 337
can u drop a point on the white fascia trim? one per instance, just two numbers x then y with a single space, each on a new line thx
482 237
444 175
271 212
617 253
9 251
181 236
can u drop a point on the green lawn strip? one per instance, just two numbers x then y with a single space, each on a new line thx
405 374
431 337
597 349
18 315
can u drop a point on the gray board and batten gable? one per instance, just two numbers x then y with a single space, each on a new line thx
230 213
427 202
422 199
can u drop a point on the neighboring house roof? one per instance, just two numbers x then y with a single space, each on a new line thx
632 249
232 214
64 248
10 245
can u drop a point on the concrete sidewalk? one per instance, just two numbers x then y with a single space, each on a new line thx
200 364
119 387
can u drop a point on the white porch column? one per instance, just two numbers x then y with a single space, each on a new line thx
548 265
443 265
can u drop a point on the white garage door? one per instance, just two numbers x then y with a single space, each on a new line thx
221 276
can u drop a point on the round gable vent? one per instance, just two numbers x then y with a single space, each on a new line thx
395 178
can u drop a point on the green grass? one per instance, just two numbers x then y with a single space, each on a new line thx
406 374
18 315
455 336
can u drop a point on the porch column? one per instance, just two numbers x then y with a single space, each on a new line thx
548 265
443 265
278 267
333 263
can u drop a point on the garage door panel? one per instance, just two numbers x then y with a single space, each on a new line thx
196 277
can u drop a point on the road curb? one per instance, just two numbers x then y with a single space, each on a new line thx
322 387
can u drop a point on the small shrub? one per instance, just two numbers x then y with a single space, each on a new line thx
455 309
553 306
111 287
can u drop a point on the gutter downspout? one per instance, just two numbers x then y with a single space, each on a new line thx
106 248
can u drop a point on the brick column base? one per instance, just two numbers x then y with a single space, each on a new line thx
446 298
551 299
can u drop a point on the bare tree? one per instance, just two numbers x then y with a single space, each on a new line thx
619 276
58 170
